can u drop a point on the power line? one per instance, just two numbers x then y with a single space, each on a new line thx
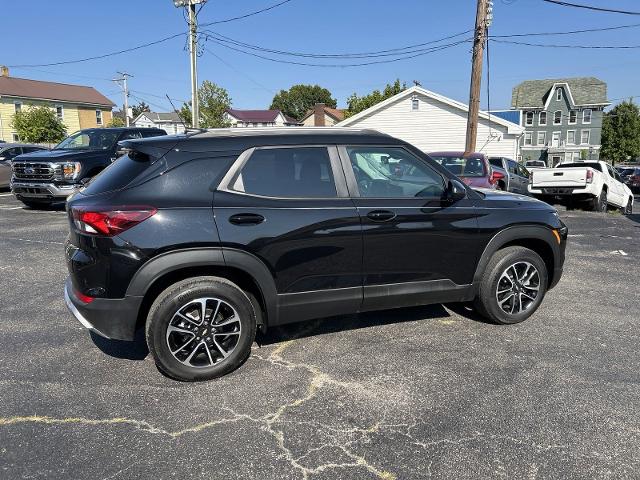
587 47
342 65
589 7
246 15
571 32
241 72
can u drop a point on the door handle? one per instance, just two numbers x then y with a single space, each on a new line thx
381 215
246 219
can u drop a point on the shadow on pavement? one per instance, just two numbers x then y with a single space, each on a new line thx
363 320
136 350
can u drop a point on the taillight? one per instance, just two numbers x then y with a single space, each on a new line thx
589 176
109 221
495 176
84 298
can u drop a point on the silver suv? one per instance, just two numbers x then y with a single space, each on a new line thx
516 178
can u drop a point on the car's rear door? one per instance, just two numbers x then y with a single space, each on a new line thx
289 206
418 248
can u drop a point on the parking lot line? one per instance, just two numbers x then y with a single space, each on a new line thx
10 208
5 194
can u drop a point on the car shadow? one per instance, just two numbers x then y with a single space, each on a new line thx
327 325
135 350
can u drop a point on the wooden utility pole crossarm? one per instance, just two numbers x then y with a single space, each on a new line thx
479 39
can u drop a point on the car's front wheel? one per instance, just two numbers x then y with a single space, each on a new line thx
513 285
201 328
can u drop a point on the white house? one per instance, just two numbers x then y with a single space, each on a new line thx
258 118
170 122
433 122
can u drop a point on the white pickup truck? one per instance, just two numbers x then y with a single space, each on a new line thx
594 182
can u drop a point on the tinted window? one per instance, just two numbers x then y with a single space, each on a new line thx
10 153
95 139
595 166
152 133
119 174
287 173
393 173
513 167
131 135
496 162
463 166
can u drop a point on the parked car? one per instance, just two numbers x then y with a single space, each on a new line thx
473 169
46 177
631 177
594 182
8 151
535 164
516 177
205 238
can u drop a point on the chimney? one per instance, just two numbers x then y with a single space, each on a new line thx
318 115
4 71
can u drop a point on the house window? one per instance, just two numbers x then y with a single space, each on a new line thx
542 137
571 137
15 136
528 118
98 117
59 112
572 117
558 94
17 106
542 118
557 117
585 136
586 115
528 138
415 104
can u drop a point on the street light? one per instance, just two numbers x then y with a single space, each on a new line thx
193 42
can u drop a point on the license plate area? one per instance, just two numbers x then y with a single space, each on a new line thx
558 191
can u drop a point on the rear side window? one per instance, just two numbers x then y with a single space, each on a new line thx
119 174
496 162
303 172
595 166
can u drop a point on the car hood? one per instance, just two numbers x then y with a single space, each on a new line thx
509 199
60 155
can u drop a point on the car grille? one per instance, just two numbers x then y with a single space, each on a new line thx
33 171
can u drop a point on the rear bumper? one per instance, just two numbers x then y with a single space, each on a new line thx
42 191
111 318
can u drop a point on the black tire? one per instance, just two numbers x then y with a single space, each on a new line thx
182 295
486 302
545 198
628 209
37 205
501 186
599 204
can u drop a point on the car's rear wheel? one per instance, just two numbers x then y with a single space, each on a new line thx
513 285
628 209
201 328
599 204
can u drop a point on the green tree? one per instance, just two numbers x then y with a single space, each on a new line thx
299 99
356 104
621 132
214 101
116 122
39 125
139 108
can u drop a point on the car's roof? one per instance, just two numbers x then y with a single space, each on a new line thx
456 153
238 138
11 145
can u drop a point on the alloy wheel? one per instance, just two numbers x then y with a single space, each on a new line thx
203 332
518 288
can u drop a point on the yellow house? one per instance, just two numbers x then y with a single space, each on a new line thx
77 106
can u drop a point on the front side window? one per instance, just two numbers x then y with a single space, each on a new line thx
98 117
528 138
463 166
573 117
557 118
392 172
586 115
542 138
94 139
528 118
542 118
300 172
585 137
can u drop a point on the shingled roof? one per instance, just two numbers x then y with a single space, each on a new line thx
62 92
160 117
585 91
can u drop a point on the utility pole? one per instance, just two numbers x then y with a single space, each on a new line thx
193 53
484 15
125 90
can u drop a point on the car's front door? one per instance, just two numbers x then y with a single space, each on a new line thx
418 247
290 208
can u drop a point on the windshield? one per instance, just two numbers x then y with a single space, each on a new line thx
462 166
97 139
595 166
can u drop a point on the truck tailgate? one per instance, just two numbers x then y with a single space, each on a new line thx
560 177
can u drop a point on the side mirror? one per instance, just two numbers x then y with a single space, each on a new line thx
455 191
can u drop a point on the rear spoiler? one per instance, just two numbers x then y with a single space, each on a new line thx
149 146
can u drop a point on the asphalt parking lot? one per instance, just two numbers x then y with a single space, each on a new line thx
429 392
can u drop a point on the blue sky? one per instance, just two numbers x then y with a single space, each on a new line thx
58 31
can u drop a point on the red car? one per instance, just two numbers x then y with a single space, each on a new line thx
473 169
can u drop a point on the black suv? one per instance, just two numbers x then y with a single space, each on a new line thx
204 238
45 177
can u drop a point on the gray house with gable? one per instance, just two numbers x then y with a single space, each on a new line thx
562 118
